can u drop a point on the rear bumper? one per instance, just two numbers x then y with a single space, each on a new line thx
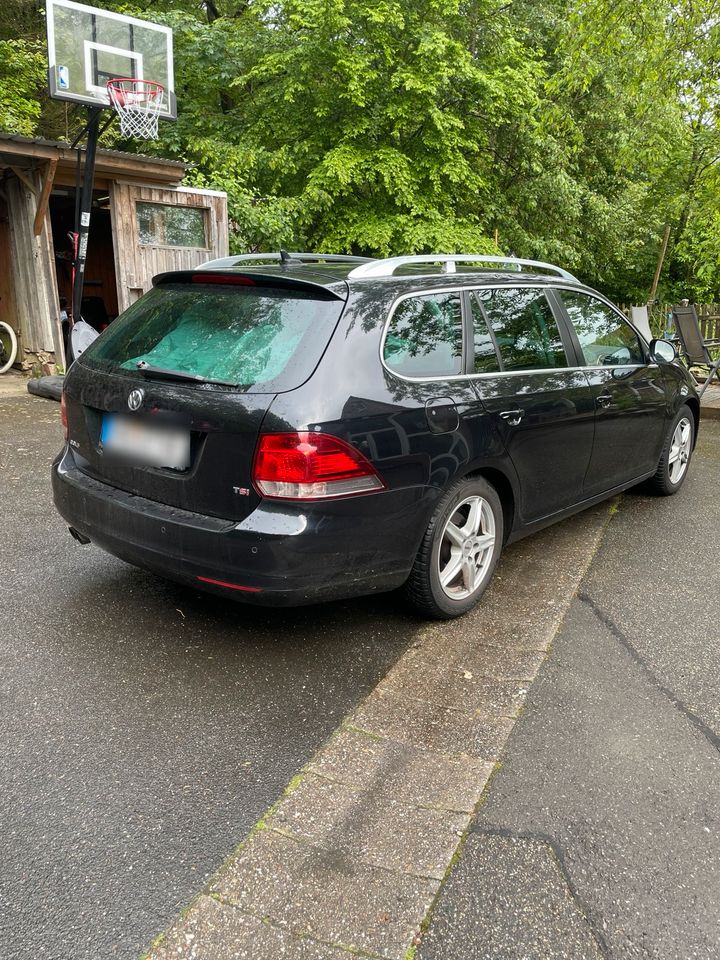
282 553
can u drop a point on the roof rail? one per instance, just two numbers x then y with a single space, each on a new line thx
386 268
282 257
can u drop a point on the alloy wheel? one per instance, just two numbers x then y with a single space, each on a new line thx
466 548
679 450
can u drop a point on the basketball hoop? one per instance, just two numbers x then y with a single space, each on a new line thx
138 104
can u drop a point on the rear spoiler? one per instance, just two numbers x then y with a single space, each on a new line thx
248 278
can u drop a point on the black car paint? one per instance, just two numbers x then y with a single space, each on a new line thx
222 424
420 436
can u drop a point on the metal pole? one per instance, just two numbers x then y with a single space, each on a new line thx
82 227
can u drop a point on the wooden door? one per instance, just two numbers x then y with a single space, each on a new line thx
156 229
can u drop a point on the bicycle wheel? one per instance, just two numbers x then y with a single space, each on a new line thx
8 347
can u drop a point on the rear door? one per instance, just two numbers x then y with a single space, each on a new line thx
424 351
628 392
542 408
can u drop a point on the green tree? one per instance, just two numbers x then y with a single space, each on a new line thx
365 127
22 74
568 130
663 60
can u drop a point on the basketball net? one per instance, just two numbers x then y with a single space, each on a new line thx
138 104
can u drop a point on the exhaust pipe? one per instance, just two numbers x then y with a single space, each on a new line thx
76 535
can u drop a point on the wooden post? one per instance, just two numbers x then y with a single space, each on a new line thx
23 177
658 268
44 196
33 274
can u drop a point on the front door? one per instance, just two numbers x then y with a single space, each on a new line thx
628 392
542 409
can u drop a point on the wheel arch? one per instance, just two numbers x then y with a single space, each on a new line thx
694 405
504 488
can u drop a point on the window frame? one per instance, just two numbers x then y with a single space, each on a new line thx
567 343
419 294
580 356
571 343
205 211
471 296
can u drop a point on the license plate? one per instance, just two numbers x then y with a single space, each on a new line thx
146 444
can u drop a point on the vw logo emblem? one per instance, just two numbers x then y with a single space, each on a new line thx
135 399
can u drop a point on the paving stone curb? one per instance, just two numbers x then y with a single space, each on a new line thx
709 413
710 402
351 858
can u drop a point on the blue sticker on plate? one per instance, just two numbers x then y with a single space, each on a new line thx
106 429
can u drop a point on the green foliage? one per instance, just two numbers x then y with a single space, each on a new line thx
568 130
698 250
660 59
22 75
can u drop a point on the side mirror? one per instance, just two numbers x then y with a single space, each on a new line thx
662 351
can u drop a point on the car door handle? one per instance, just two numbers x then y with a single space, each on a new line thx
604 400
513 417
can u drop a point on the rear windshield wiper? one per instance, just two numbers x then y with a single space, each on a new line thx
164 374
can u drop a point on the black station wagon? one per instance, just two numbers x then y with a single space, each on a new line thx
292 428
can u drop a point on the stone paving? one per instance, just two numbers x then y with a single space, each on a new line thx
352 856
13 384
710 402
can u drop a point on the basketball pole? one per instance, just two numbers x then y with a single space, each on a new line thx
82 224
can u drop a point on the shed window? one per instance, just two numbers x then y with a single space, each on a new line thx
164 225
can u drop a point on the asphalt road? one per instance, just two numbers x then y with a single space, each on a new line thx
600 833
144 728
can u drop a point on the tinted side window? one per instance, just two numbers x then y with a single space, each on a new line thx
604 337
525 329
424 337
486 360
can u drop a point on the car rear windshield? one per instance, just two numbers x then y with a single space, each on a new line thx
263 339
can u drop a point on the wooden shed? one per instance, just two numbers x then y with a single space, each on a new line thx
143 222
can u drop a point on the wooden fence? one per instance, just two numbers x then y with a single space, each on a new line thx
660 315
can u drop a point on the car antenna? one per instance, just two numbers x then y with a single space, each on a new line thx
285 257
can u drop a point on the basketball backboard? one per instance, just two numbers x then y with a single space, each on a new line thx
88 46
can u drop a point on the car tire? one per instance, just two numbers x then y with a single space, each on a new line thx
675 458
459 551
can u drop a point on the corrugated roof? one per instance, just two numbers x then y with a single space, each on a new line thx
102 152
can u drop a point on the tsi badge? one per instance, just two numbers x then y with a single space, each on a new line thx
135 399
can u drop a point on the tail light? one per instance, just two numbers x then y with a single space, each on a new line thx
63 414
311 466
